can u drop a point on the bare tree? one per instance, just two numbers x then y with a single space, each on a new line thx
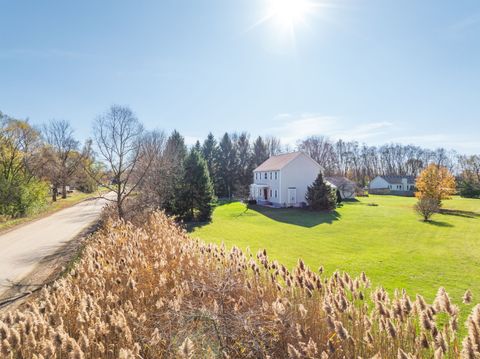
119 139
155 185
321 150
427 207
66 156
274 146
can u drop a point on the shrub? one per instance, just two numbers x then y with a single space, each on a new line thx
320 196
153 292
469 189
19 197
427 207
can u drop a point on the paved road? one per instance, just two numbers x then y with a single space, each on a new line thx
23 248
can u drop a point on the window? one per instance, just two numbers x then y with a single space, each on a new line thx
265 175
276 173
276 192
270 175
270 193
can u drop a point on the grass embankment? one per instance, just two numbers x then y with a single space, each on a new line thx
387 241
51 207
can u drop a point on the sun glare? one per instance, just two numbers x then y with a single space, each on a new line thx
288 13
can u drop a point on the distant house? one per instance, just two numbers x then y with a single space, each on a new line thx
399 185
346 188
282 180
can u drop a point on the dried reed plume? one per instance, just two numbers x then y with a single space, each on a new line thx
151 291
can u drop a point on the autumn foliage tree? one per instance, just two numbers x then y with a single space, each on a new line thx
435 182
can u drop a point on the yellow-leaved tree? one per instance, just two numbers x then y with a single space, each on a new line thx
435 182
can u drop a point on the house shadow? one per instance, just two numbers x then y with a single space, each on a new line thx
459 213
297 216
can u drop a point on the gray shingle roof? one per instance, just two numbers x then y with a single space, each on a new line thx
339 181
398 179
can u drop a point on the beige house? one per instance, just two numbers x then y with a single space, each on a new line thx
282 180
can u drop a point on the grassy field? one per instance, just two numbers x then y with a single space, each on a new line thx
387 241
72 199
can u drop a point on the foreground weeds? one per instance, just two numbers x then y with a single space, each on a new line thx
152 292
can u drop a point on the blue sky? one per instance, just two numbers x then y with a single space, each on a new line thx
376 71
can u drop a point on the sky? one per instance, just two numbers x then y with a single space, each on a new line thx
375 71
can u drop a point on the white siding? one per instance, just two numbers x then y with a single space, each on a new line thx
299 173
272 184
379 183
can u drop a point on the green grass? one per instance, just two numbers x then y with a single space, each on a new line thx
389 241
52 207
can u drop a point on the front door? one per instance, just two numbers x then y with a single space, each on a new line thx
265 193
292 196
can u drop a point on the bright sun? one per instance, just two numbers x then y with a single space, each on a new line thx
289 12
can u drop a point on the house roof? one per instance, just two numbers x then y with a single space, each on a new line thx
276 163
339 181
398 179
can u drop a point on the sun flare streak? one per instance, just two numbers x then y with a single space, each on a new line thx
288 13
286 17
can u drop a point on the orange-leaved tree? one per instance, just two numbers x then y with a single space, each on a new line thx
435 182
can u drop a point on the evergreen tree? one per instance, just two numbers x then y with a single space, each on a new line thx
260 152
210 154
244 164
226 167
320 196
198 147
197 189
175 153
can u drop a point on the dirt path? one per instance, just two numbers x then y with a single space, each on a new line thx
28 252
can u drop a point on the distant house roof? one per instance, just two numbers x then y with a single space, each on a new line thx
339 181
398 179
276 163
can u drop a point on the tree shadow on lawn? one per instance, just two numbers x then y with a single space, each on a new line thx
459 213
297 216
439 223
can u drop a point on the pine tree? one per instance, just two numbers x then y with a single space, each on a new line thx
226 167
197 189
244 164
260 152
210 154
320 196
175 153
198 146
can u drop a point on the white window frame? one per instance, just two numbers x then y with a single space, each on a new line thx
276 175
266 175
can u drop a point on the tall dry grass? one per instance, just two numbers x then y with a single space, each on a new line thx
152 292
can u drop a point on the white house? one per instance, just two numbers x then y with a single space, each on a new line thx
282 180
392 185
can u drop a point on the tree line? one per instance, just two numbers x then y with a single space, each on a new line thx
163 172
36 162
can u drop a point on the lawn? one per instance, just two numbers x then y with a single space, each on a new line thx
387 241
